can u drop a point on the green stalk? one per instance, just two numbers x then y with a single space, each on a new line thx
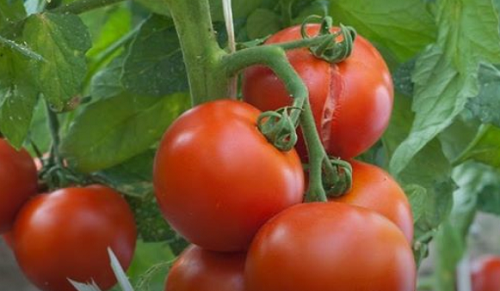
53 124
202 54
275 58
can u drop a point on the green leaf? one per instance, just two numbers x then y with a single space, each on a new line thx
150 222
431 171
457 137
17 97
154 64
262 23
156 6
62 41
133 177
427 179
39 132
318 7
417 195
445 75
151 260
110 131
489 199
106 83
474 180
11 12
116 24
451 241
405 27
484 148
403 84
16 112
27 52
486 105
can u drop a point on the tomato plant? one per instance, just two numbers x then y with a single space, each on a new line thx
65 234
375 189
18 181
200 270
217 178
351 101
95 84
486 273
342 247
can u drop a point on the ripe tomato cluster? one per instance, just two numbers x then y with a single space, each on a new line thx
239 200
65 234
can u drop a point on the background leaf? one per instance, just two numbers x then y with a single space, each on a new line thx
62 41
115 129
486 105
18 97
154 64
445 75
10 12
262 23
485 147
404 27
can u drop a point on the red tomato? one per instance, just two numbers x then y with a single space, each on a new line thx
486 274
351 101
329 246
18 181
200 270
66 234
375 189
218 179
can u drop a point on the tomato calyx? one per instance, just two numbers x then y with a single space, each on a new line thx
279 128
333 49
339 183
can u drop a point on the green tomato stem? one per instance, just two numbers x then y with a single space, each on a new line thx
202 54
53 124
274 57
81 6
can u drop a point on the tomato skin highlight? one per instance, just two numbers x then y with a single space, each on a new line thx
376 190
486 273
218 180
329 246
351 101
18 181
201 270
66 234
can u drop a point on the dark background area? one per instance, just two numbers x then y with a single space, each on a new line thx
11 278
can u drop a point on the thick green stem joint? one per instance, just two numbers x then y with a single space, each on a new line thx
202 54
